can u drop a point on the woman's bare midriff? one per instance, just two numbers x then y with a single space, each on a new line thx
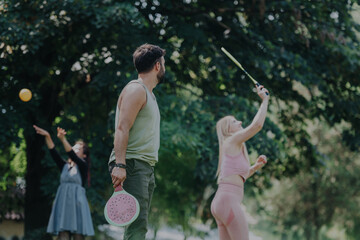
233 179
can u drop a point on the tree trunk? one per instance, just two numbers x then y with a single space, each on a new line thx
316 212
308 231
37 206
155 233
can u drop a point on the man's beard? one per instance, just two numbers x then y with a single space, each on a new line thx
161 76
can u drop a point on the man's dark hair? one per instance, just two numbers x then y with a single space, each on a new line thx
146 56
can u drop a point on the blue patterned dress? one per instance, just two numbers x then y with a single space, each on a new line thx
70 210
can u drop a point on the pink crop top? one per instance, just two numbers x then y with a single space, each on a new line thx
235 165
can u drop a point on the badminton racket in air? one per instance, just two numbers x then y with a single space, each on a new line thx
241 67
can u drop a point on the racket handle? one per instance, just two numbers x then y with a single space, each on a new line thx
258 84
118 188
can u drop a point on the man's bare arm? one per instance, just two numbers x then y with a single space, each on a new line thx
130 103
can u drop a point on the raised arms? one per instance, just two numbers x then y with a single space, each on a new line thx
256 125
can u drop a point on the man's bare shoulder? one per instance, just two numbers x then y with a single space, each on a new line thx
133 92
133 88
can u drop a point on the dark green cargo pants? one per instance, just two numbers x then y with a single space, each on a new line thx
139 182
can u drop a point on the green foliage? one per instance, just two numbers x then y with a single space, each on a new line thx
75 57
12 186
327 196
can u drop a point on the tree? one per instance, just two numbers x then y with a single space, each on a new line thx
43 44
301 206
76 57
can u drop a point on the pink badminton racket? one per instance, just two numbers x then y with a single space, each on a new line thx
122 208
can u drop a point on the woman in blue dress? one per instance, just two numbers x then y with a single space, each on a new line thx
70 214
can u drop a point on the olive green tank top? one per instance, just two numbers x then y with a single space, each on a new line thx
144 135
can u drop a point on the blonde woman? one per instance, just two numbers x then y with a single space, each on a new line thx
233 170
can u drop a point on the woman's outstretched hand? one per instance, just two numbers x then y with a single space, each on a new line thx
61 133
261 91
261 161
46 134
41 131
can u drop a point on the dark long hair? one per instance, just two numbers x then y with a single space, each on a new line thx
86 151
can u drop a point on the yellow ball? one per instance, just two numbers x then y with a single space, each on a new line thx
25 95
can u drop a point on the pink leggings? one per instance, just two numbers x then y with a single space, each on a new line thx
227 212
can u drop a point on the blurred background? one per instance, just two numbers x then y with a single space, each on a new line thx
76 56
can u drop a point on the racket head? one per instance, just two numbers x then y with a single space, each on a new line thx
121 209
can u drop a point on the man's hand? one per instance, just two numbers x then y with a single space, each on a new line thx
118 176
